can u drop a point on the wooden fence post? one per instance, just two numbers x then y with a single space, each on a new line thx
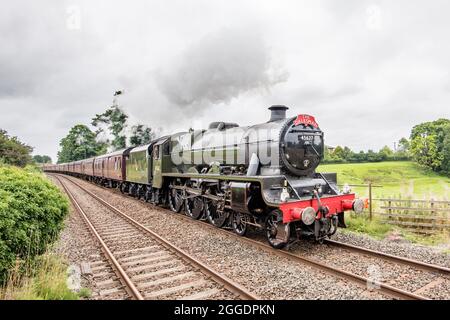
433 215
370 200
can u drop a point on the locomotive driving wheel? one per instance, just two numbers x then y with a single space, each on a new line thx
277 232
175 199
215 213
147 194
195 207
239 223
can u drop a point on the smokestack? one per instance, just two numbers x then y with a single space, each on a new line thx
277 113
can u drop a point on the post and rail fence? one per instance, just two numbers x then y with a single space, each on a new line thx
418 216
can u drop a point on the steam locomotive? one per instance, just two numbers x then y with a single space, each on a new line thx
261 176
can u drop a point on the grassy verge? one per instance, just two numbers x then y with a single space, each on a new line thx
44 279
380 230
400 179
374 228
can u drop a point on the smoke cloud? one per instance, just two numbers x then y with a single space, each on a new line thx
218 68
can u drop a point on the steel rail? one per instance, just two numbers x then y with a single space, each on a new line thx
219 278
414 263
382 287
121 273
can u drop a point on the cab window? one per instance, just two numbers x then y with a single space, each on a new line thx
156 152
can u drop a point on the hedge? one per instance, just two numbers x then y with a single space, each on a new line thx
32 212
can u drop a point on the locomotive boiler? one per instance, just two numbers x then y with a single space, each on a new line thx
261 176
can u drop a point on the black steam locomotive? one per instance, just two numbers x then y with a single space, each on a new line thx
261 176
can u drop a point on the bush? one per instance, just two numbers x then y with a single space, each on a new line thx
32 212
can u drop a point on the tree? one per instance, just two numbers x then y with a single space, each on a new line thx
115 120
403 150
373 156
13 151
404 145
347 153
446 152
428 144
42 159
338 154
385 153
80 144
141 135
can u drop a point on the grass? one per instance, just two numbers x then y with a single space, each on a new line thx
375 228
46 279
402 179
361 224
431 240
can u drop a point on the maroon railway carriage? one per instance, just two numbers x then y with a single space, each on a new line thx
110 169
88 167
77 168
99 168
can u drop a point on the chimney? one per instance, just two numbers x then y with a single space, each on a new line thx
277 113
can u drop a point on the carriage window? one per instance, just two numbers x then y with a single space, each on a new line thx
156 152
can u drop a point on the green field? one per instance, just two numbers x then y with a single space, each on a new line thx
402 179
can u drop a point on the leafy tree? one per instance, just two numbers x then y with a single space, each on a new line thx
428 144
326 154
403 150
373 156
141 135
115 120
385 153
404 145
359 157
80 144
446 152
13 151
42 159
338 154
347 153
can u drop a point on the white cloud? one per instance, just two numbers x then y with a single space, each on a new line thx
368 70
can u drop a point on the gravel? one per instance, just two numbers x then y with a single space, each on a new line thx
433 255
398 275
78 247
110 226
270 276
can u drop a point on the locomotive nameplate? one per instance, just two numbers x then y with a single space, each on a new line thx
306 119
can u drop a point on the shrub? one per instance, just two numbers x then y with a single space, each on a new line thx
32 212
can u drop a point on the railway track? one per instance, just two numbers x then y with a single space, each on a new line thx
147 265
389 290
396 259
384 288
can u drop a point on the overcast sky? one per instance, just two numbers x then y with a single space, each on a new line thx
367 70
